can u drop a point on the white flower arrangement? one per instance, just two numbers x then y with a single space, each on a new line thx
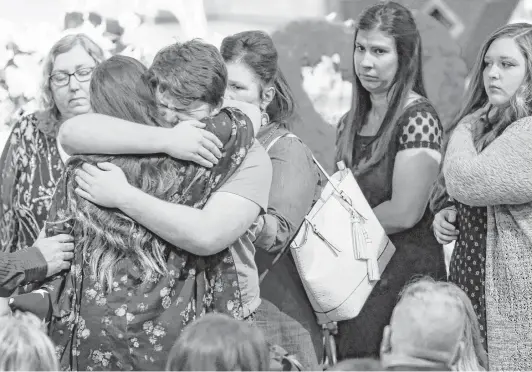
328 92
22 51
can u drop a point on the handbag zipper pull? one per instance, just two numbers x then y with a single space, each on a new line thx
319 235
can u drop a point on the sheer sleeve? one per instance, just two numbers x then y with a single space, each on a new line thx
420 128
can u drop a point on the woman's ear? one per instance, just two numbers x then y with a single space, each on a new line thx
216 109
267 97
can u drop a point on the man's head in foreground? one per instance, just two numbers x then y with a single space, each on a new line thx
426 330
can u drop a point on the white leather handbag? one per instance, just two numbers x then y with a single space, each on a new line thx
341 249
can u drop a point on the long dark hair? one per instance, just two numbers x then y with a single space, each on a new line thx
257 51
396 21
489 127
105 236
119 88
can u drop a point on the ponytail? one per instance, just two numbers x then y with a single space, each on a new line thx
282 107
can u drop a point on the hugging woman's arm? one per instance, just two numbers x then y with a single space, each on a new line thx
102 134
126 282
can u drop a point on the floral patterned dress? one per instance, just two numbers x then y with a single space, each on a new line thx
30 168
135 324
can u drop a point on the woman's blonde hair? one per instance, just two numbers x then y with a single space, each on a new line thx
217 342
474 356
490 127
24 345
49 115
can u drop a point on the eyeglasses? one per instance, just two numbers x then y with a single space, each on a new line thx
61 79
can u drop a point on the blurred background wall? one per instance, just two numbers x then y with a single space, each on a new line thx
314 39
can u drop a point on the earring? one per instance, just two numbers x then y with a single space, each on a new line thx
264 119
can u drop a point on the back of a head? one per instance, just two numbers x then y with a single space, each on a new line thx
24 345
217 342
427 324
118 88
190 71
474 356
363 364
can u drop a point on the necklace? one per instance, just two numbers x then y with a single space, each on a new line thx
270 134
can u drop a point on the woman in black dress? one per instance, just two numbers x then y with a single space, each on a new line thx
391 140
467 226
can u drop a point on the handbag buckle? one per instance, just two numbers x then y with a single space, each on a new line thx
346 198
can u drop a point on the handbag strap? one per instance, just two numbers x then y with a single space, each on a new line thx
322 170
280 254
274 141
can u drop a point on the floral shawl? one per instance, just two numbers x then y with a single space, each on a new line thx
30 168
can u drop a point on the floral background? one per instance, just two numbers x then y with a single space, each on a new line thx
22 50
23 47
27 34
315 55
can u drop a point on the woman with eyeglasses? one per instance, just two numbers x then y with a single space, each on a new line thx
32 161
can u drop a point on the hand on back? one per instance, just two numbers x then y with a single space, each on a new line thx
189 141
58 251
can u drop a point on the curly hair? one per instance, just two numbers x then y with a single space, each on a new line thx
108 236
